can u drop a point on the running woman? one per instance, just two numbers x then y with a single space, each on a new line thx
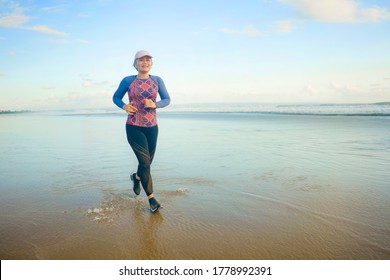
141 124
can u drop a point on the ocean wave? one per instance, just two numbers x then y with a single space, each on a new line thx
377 109
372 109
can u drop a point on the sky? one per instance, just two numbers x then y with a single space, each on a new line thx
73 54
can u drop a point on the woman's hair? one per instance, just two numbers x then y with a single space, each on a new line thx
135 64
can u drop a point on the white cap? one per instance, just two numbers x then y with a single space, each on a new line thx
142 53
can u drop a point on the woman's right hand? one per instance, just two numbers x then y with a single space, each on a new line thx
129 109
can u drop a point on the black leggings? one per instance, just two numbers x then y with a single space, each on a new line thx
143 141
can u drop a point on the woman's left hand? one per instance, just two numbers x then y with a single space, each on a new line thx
148 103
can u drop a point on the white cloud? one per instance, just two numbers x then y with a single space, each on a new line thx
375 14
345 88
83 15
347 11
59 40
329 10
14 20
281 26
333 11
44 29
48 88
250 31
78 99
310 90
82 41
88 84
54 9
285 26
11 53
18 20
66 40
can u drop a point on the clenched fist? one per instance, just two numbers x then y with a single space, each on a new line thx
129 109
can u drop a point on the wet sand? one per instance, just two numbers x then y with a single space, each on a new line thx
231 186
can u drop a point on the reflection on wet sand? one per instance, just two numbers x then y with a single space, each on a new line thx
147 233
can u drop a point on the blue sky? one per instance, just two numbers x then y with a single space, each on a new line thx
73 54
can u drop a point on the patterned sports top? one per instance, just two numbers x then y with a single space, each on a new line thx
138 90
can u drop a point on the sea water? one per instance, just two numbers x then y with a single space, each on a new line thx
270 182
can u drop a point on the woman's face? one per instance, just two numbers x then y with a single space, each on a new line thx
144 64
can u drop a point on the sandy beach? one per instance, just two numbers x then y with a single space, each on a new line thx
232 186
